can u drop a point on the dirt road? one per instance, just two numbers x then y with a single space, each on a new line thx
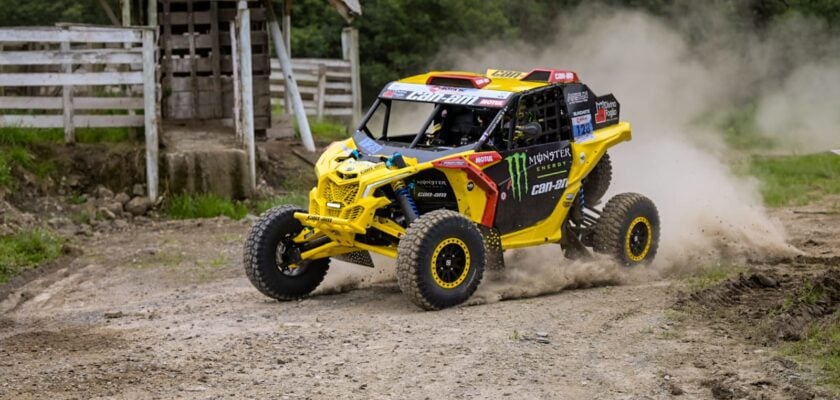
163 310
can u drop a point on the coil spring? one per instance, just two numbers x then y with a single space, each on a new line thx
407 202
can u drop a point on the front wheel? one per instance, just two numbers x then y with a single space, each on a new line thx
270 257
440 260
628 229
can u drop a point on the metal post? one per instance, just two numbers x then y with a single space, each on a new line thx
150 112
247 88
291 83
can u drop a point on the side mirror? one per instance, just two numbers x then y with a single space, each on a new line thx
532 129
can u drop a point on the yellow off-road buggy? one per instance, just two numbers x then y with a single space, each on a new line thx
501 161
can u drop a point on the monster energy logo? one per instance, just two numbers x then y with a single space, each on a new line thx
518 169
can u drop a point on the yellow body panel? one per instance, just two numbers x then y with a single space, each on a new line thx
503 84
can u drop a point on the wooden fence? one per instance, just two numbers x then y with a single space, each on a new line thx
325 86
68 57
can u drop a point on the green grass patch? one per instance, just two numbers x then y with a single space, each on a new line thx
326 130
204 206
712 275
796 179
28 137
821 348
26 250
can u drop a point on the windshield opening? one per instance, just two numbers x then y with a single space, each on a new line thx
429 125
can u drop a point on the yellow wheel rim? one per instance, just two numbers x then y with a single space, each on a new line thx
450 263
638 239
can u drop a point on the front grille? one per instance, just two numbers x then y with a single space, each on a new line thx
344 194
354 213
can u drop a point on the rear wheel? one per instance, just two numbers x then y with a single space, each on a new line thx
271 257
628 229
440 260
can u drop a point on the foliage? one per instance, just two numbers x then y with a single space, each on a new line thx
797 179
204 206
821 347
325 130
26 250
712 275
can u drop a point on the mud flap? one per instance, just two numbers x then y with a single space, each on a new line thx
357 257
493 249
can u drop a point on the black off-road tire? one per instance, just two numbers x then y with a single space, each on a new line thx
614 233
261 257
416 251
595 184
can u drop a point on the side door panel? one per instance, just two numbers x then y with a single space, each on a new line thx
531 181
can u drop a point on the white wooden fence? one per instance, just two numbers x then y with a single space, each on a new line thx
325 86
81 56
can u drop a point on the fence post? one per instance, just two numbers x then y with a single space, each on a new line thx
150 112
350 50
125 5
67 102
152 13
247 88
237 94
322 91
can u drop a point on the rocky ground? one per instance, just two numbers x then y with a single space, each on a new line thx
157 309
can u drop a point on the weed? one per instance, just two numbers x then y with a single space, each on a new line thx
797 179
326 130
821 348
204 206
26 249
712 275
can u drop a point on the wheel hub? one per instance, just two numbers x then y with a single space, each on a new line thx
639 238
450 263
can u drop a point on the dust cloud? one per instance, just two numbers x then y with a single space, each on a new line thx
674 79
670 89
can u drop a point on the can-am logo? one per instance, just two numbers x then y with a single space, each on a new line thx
605 110
518 170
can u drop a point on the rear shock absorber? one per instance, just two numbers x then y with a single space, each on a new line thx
407 203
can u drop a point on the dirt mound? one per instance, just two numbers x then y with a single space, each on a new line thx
770 306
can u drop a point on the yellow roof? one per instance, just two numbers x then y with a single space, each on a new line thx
505 81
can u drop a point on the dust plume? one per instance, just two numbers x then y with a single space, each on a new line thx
344 277
669 89
529 273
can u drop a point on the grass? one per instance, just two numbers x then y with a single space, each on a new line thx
204 206
26 249
821 348
326 130
209 206
712 275
17 144
796 179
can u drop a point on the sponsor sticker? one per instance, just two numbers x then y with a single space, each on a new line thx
577 97
582 126
507 74
369 146
605 110
491 103
518 170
